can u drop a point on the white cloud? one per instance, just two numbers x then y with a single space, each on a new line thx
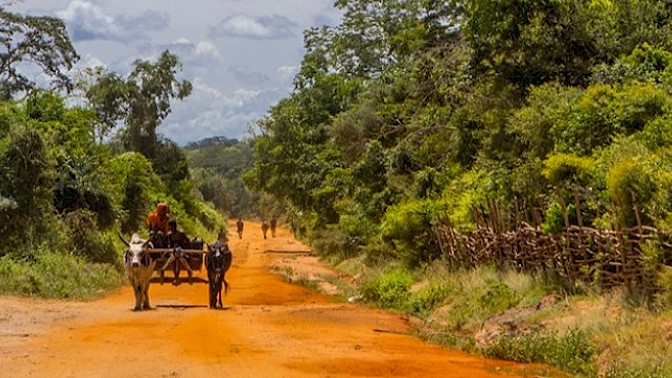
89 60
210 112
273 27
205 48
287 73
87 21
148 20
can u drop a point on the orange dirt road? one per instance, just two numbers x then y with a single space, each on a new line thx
268 328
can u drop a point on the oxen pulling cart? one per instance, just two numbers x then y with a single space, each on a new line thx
157 254
178 260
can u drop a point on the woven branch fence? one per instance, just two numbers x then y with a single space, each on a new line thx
608 258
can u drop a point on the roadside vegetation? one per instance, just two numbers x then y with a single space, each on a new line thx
408 115
73 177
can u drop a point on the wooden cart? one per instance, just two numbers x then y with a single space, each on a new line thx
185 260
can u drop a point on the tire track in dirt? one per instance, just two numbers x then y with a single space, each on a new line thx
269 328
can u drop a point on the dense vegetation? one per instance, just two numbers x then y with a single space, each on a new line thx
411 108
405 114
65 194
409 112
216 165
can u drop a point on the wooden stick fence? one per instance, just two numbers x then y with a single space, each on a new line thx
608 258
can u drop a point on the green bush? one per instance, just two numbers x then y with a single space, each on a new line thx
630 184
571 352
135 182
431 297
657 133
331 242
86 240
562 168
56 275
481 294
554 221
620 370
389 289
26 182
409 227
605 112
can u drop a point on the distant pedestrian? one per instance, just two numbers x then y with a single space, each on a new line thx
264 227
239 227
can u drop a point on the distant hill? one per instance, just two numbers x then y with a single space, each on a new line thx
212 141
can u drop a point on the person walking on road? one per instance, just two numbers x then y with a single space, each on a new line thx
264 227
239 227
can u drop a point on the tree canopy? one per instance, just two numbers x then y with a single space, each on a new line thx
33 41
432 107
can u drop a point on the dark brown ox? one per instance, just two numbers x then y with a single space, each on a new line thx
217 261
139 268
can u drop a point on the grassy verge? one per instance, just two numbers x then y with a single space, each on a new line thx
518 317
61 276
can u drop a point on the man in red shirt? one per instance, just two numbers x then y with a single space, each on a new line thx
158 219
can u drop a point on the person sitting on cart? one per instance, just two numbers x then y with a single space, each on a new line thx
177 240
157 220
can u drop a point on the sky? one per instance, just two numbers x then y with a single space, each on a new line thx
240 55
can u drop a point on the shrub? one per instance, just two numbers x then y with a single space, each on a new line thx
409 227
430 297
85 239
554 221
560 168
135 180
57 275
481 294
621 371
630 184
389 289
571 352
26 182
331 242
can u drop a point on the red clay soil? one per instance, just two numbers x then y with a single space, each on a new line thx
268 328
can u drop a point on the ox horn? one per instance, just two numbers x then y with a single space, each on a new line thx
124 240
147 242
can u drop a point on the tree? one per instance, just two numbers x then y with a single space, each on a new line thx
141 101
26 182
527 43
33 40
292 156
375 35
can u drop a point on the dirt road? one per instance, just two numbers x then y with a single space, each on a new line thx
269 328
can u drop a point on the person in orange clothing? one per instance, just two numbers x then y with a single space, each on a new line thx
158 219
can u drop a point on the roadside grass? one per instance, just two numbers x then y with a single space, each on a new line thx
504 314
305 281
537 319
58 276
571 352
344 289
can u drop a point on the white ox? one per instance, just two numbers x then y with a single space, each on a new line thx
139 268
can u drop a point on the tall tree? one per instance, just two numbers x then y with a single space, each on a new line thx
33 41
141 101
375 35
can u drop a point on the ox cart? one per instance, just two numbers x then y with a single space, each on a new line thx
181 262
